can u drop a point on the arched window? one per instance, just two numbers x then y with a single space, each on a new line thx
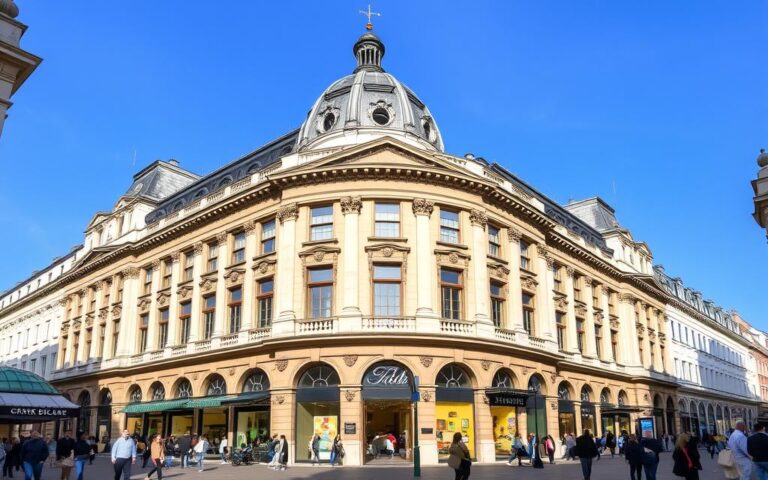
319 376
502 379
534 384
453 376
216 386
586 394
134 394
657 403
84 401
564 391
256 381
157 391
605 396
622 398
184 389
106 398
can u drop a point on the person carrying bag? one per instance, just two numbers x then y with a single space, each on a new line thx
459 459
687 460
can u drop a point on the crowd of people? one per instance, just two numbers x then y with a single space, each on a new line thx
30 454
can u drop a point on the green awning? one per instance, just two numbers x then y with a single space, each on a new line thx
249 397
157 406
208 402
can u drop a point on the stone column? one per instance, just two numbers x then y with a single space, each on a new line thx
351 410
220 320
590 348
195 325
249 295
515 301
628 330
545 305
173 300
607 350
80 353
95 331
286 270
106 349
570 318
481 286
422 209
128 323
645 324
154 317
350 208
485 443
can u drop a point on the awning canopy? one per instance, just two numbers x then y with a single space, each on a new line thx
249 397
190 403
156 406
620 410
33 407
208 402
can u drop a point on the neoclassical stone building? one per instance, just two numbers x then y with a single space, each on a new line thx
314 284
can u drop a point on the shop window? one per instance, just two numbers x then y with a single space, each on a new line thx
449 226
265 297
321 223
317 410
454 408
320 292
387 290
451 288
387 220
216 386
268 236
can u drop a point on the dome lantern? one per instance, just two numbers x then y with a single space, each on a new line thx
369 51
762 159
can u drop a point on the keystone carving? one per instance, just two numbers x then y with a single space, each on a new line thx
351 205
426 361
486 364
587 281
427 396
175 256
350 360
288 212
422 206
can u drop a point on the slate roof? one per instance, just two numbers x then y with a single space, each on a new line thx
160 179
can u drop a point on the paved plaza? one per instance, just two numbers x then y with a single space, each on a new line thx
606 469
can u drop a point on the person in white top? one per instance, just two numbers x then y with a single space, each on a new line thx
738 445
223 450
200 449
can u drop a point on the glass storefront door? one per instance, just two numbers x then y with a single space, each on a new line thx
135 424
214 426
504 429
155 425
251 425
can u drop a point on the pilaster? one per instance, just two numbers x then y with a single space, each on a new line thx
426 317
286 270
607 350
128 325
515 301
570 321
589 321
350 312
196 322
251 250
545 305
153 339
173 307
220 318
481 287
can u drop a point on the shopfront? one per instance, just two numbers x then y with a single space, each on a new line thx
587 412
251 410
566 411
454 409
104 421
386 392
504 403
536 407
317 410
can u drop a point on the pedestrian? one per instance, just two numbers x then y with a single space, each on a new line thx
314 449
757 447
50 443
123 454
272 451
170 450
82 452
94 446
185 444
651 450
598 446
569 441
738 445
145 451
459 458
634 452
687 459
337 450
223 450
157 453
64 448
12 457
34 453
531 448
282 450
201 447
549 447
3 454
610 442
517 450
586 450
666 442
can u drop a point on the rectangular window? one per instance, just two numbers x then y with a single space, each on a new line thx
265 296
238 248
596 296
33 365
92 295
494 244
43 365
560 320
107 293
577 288
525 260
185 317
580 335
268 236
451 288
321 223
213 257
81 301
653 355
143 326
189 265
449 226
598 340
528 310
320 288
387 220
387 290
235 309
115 335
167 272
557 273
497 303
120 288
615 345
209 316
147 281
163 324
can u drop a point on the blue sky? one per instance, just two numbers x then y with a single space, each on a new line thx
658 107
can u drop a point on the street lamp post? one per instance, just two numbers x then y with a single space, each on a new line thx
415 397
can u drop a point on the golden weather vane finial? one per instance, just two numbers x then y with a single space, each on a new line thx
369 13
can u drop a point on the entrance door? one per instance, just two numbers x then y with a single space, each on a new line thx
385 420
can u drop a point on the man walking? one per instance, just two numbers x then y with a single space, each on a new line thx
185 443
123 456
586 450
757 447
651 449
34 453
738 445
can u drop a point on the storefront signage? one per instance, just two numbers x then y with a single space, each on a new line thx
350 428
38 412
386 375
507 399
427 431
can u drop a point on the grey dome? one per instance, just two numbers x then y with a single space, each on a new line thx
368 103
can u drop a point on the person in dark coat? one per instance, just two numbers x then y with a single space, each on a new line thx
586 450
185 444
651 450
610 442
633 452
64 448
34 453
12 457
687 459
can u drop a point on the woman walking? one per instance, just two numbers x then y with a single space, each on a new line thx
634 452
82 452
314 449
459 459
223 450
686 458
51 444
517 450
201 448
337 450
549 446
157 452
282 449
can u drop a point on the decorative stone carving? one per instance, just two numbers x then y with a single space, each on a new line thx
234 276
351 205
350 360
249 227
581 310
426 396
587 281
498 270
646 397
553 376
570 271
528 282
626 298
598 318
281 365
144 303
279 399
288 212
562 302
221 238
319 255
542 250
387 251
426 361
525 371
478 218
175 256
131 272
208 284
231 372
155 265
453 258
390 252
553 404
614 324
486 364
514 235
197 248
550 263
162 298
422 206
194 376
184 291
349 395
117 311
